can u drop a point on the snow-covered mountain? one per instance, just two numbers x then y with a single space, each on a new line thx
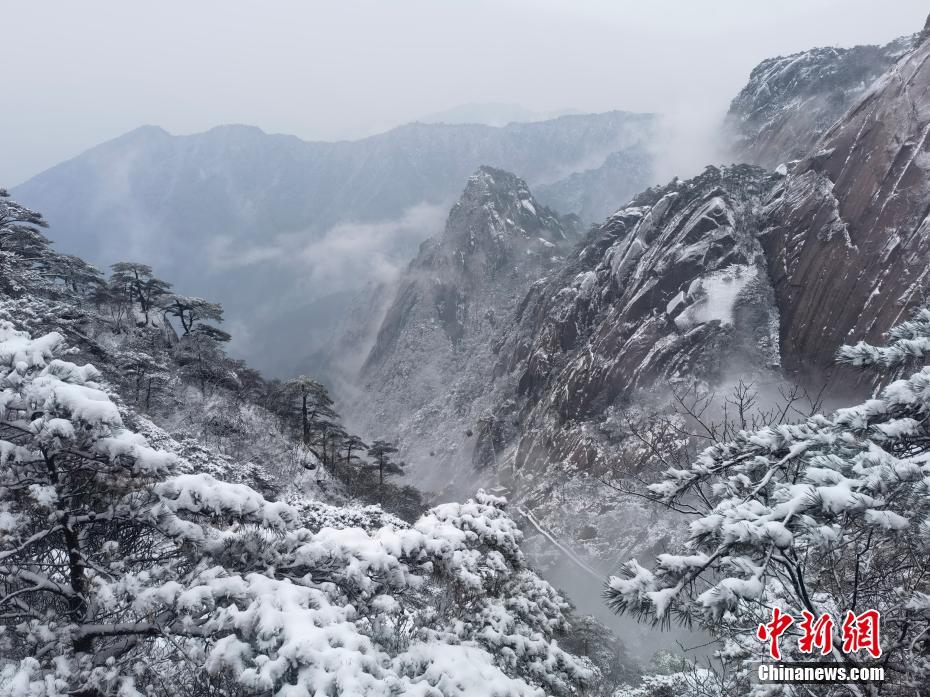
672 289
848 246
171 519
790 101
508 354
425 376
244 216
142 544
735 274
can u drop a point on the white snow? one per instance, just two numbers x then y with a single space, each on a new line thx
889 520
715 295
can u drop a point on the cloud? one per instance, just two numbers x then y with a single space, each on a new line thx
689 137
224 256
346 256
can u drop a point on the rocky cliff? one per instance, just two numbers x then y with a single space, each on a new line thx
790 101
671 290
848 243
427 377
508 356
736 273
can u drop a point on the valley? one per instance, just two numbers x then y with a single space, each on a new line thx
462 410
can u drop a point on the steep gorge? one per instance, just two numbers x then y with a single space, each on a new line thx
735 274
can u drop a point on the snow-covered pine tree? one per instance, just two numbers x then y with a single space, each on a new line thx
309 407
91 519
27 263
190 311
138 284
202 361
352 445
380 451
19 226
123 571
830 515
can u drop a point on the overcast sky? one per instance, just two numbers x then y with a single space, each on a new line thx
78 73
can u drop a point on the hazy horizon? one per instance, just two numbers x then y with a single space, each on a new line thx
83 74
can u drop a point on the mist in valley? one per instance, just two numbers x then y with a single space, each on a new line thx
457 348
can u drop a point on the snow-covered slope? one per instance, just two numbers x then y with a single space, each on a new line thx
243 216
211 554
427 375
672 288
790 101
671 292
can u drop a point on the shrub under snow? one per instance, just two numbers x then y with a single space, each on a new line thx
827 516
125 570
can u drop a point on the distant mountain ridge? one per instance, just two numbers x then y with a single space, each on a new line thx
242 216
492 114
594 194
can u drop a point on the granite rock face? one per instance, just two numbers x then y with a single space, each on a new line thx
736 273
670 290
849 240
789 102
427 377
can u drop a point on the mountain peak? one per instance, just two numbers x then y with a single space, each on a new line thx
925 32
499 204
146 132
490 180
235 129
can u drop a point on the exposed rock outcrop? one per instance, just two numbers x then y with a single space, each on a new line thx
427 378
672 289
849 242
791 101
736 273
